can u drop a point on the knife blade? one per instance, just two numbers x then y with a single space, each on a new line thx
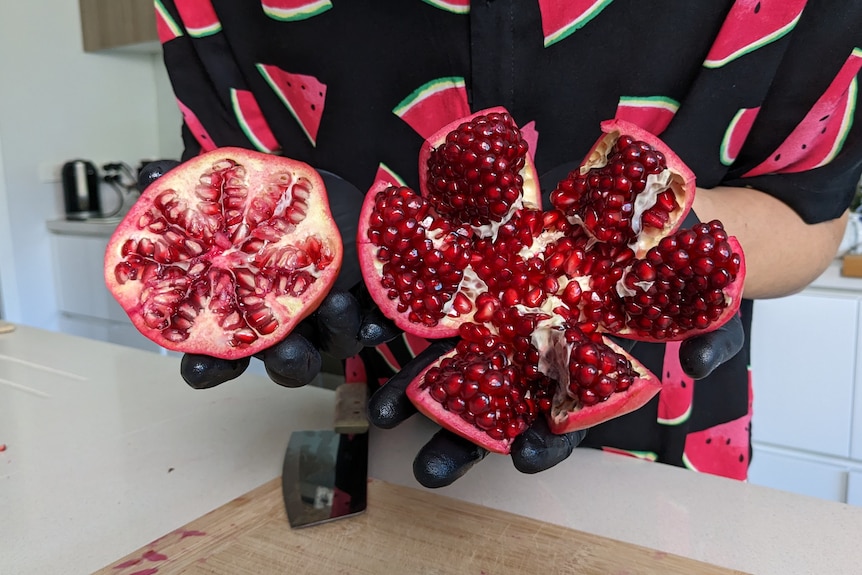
325 472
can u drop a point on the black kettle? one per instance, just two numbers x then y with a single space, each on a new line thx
81 190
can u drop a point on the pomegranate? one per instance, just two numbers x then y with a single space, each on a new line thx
418 246
534 294
225 254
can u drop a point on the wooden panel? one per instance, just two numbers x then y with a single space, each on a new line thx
404 530
115 23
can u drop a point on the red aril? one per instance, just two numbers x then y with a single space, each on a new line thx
226 253
415 248
533 294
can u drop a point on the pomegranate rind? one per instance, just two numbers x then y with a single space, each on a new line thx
732 297
206 336
682 179
435 411
564 419
371 268
532 194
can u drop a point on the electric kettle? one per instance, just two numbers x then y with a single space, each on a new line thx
81 190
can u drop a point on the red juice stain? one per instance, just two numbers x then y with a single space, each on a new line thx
155 556
129 563
185 534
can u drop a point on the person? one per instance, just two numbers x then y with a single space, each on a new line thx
731 87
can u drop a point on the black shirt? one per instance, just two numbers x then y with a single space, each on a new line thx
747 93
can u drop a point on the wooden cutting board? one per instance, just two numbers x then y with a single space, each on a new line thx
404 531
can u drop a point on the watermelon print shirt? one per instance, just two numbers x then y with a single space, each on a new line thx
748 93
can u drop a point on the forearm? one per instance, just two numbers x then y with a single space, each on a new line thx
783 254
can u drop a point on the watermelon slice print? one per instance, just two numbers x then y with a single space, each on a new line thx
252 122
166 28
303 95
652 113
736 133
561 19
752 24
454 6
294 10
724 449
385 176
531 135
820 135
677 389
645 455
197 128
199 17
354 370
415 345
434 104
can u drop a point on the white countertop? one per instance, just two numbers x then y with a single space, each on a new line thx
831 280
101 227
107 449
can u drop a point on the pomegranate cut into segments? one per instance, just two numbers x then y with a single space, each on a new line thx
226 253
535 294
416 248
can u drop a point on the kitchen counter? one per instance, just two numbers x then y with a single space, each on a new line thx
106 449
98 227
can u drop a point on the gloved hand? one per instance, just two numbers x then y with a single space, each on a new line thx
344 323
447 457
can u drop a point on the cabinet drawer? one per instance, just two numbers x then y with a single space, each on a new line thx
79 270
798 475
803 360
856 438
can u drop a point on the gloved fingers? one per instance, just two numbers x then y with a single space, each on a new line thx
337 321
389 405
153 171
445 458
204 371
538 449
701 354
292 362
376 328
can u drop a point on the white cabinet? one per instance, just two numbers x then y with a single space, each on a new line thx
798 474
803 359
86 306
854 487
807 377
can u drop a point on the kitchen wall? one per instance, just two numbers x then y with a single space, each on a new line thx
58 103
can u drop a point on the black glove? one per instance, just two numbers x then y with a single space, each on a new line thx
344 323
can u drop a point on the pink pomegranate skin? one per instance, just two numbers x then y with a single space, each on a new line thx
225 254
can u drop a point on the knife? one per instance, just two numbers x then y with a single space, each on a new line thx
325 472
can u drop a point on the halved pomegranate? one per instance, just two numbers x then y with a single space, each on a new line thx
226 253
532 293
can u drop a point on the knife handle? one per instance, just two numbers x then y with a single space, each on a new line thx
350 402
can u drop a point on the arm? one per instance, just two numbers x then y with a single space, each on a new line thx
783 254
